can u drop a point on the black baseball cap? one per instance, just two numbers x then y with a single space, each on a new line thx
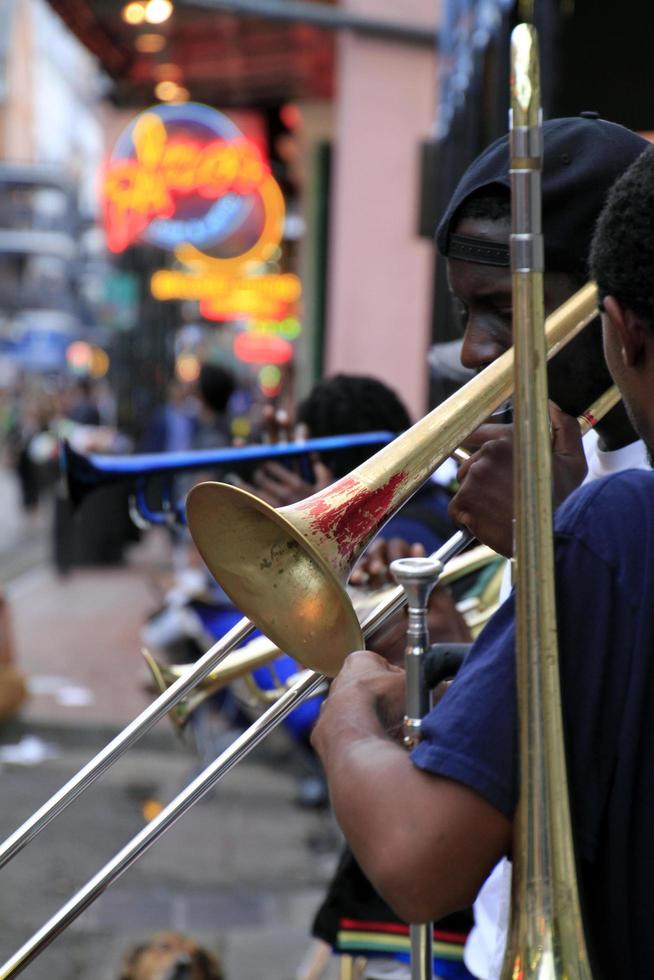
582 158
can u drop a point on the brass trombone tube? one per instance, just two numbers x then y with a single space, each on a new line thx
600 407
546 939
490 391
138 845
308 684
114 749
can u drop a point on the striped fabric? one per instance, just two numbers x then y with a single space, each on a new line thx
388 938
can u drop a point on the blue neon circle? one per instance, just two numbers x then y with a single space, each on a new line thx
225 216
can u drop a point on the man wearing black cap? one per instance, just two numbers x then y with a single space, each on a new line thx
582 158
428 834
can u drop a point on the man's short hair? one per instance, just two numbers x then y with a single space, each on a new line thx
622 252
582 158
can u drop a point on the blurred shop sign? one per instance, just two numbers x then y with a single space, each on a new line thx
184 178
231 297
254 348
42 350
120 299
41 338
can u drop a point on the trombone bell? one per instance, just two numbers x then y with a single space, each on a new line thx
289 590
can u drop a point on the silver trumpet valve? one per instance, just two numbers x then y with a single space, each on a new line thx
417 576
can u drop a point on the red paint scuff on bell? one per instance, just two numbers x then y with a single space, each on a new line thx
352 522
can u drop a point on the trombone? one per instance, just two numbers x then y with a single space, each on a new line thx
85 473
546 936
302 571
447 426
308 683
260 651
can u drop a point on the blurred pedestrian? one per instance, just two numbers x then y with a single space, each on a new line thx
216 385
173 427
83 407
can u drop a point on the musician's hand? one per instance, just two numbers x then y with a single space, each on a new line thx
373 569
366 698
281 485
484 501
569 466
446 624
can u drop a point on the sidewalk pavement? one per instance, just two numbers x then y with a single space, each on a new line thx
243 871
24 539
77 639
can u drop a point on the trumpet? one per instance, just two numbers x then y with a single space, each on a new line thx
83 474
284 568
256 653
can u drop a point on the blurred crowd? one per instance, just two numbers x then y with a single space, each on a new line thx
35 415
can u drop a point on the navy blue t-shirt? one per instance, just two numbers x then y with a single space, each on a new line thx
604 547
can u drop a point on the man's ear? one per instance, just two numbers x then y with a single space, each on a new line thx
629 329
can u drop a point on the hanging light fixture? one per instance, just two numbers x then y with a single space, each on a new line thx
150 43
133 13
158 11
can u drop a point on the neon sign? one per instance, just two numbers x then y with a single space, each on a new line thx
289 328
271 297
184 177
255 348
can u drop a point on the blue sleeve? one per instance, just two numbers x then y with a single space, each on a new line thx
471 735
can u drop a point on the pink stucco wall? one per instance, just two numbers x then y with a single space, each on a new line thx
379 296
